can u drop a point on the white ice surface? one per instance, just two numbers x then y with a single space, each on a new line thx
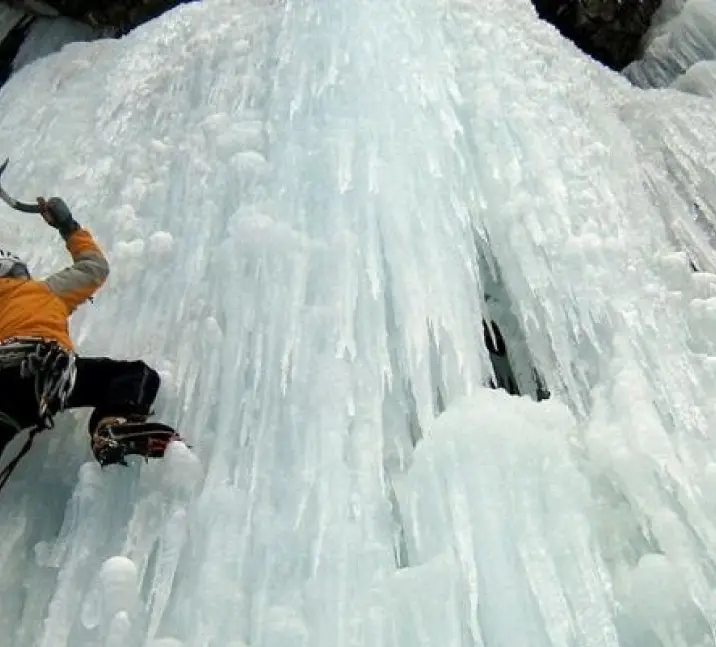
676 137
303 204
680 49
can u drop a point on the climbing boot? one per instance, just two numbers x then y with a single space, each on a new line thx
116 437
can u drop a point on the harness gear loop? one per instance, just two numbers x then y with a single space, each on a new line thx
54 371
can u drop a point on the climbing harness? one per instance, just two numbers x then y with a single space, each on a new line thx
54 371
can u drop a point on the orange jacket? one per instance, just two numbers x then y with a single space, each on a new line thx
41 309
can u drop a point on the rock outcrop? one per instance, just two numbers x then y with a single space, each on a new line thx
118 16
609 30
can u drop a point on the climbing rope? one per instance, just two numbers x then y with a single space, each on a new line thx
54 371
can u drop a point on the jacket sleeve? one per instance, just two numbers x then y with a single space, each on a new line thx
77 283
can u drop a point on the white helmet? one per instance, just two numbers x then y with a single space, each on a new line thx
12 266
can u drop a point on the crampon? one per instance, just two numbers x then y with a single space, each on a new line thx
148 439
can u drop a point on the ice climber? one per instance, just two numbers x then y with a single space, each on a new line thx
40 374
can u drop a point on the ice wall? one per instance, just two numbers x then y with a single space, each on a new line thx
681 46
308 208
42 37
681 49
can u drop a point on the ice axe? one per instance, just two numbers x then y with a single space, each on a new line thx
16 204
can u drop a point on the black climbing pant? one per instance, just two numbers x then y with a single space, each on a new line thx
112 387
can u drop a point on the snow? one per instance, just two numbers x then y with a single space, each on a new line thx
308 208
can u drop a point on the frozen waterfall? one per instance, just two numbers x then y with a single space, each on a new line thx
310 207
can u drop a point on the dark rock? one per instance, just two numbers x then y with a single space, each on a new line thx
611 31
34 7
10 46
608 30
118 16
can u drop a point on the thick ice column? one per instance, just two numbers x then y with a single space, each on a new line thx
367 139
337 295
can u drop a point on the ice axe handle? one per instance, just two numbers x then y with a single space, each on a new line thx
16 204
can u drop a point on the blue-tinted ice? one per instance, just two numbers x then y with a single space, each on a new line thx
309 206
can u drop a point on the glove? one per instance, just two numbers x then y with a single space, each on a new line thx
58 215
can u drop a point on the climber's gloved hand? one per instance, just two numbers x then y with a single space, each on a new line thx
58 215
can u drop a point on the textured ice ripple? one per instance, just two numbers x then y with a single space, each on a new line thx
304 203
